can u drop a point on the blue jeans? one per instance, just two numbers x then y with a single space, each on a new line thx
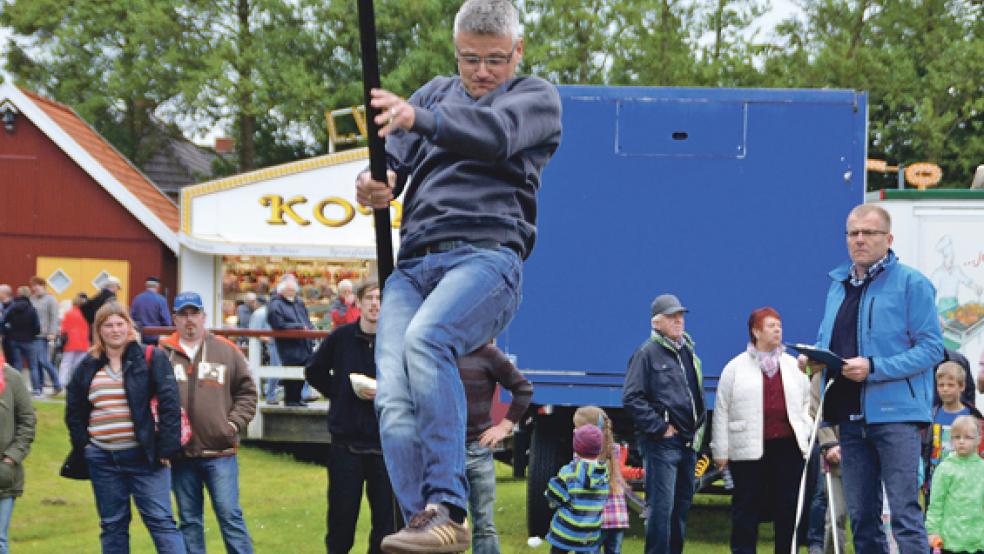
221 477
480 469
817 517
6 510
435 308
45 366
876 453
670 486
27 350
270 389
116 477
611 541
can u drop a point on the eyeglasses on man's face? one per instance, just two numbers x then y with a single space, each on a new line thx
864 233
492 61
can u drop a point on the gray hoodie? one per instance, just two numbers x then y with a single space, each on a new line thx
47 308
474 164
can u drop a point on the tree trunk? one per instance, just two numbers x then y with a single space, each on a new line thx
247 121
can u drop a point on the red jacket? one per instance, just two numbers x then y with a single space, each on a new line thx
77 328
350 315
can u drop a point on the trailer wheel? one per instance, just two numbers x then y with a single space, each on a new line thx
550 448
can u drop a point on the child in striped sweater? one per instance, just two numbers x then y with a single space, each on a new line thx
615 516
579 491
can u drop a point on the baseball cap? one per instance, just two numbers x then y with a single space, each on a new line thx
188 299
667 304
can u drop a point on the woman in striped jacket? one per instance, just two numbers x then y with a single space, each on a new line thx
108 413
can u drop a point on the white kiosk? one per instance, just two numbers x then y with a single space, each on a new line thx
240 234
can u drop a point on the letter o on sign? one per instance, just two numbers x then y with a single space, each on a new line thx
348 212
923 174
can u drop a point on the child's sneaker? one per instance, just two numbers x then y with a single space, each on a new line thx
430 530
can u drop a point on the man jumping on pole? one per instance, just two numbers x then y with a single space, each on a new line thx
469 149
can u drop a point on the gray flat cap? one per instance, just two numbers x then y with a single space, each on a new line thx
667 304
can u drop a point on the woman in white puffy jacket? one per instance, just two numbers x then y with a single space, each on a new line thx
761 430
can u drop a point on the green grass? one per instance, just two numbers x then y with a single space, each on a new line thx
284 502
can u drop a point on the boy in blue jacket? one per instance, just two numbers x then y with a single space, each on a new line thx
579 491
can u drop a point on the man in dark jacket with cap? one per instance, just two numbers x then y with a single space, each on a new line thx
663 393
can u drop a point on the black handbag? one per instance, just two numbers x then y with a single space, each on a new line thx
75 466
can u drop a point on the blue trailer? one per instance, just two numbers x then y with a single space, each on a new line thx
732 199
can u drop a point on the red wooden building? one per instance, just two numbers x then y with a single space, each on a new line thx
72 208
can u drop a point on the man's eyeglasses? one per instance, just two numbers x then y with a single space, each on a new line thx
865 233
492 61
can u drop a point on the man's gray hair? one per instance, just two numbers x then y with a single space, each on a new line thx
287 280
488 17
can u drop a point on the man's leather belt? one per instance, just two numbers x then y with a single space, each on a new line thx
449 245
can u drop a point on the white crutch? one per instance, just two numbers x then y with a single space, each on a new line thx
802 487
834 530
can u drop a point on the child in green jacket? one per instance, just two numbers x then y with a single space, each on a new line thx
956 507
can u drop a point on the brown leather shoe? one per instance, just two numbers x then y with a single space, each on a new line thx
430 530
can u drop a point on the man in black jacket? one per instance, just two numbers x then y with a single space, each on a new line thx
108 292
287 312
355 453
663 393
21 325
6 297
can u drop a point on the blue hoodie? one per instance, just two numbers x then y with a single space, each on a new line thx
899 332
579 492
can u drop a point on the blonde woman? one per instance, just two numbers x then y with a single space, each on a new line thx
615 516
108 414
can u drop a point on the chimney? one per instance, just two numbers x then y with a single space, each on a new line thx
224 145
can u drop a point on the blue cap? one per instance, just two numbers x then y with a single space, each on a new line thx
188 299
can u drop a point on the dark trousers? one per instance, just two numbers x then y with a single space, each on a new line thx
292 387
347 471
771 481
292 390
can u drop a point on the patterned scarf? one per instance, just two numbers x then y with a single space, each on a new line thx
678 344
767 361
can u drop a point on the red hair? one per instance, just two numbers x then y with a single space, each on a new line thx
757 320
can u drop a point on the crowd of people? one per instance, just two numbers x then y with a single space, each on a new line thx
888 412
